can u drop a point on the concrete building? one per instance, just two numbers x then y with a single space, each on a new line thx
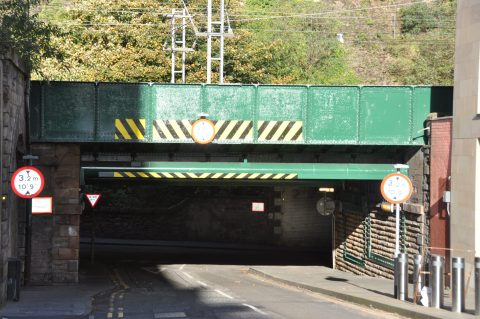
465 218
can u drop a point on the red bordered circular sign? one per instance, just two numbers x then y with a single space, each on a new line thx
27 182
396 188
203 131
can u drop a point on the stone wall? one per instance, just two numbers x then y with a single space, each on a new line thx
56 238
13 86
365 235
298 222
221 214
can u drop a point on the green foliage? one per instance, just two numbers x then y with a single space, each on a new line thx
305 50
418 18
427 56
21 30
424 17
275 41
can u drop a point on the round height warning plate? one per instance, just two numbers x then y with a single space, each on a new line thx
203 131
396 188
27 182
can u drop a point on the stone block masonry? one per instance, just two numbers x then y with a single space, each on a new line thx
365 244
13 99
299 224
55 238
364 235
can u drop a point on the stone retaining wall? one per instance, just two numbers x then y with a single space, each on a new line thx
14 98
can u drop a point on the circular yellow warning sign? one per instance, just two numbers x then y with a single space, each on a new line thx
396 188
203 131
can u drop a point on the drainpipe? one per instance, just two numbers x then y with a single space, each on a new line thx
1 135
28 207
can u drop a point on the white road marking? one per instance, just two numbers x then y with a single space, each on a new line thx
223 294
254 309
170 315
182 266
202 283
187 274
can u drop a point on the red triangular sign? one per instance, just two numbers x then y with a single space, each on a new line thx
93 199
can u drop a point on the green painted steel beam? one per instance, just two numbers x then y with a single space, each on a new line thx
244 114
302 171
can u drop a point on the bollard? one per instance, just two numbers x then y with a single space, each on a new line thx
395 277
477 286
417 276
402 278
458 284
436 280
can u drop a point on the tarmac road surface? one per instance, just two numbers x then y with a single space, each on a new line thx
162 289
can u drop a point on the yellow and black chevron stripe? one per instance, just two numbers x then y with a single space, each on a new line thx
183 175
233 130
225 130
172 130
276 131
129 129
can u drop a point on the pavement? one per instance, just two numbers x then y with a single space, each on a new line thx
75 301
60 301
367 291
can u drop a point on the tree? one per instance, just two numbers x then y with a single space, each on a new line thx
22 31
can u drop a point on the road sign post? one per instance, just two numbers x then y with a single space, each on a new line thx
27 182
397 188
93 200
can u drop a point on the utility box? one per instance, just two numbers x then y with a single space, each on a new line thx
14 278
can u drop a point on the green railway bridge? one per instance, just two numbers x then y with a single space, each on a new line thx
276 145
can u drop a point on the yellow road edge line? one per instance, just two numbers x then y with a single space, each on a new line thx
120 279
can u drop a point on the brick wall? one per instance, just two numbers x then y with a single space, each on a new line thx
13 126
55 238
440 171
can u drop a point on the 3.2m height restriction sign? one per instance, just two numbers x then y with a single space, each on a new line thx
27 182
396 188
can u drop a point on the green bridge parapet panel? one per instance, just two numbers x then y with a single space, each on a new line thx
244 171
242 114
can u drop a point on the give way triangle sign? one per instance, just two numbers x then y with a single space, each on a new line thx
93 199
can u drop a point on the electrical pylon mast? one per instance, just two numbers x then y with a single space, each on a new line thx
178 45
215 29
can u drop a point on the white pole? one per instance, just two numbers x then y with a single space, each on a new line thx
222 30
184 42
397 230
209 42
173 47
